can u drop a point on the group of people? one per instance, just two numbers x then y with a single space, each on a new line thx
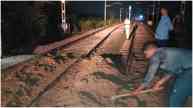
175 63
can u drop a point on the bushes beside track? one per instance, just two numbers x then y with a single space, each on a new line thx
92 23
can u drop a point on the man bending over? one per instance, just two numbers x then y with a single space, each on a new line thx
176 63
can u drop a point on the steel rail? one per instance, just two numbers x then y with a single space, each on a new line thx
50 85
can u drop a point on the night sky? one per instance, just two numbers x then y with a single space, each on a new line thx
96 8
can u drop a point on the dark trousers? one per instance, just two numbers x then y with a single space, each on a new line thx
162 43
181 89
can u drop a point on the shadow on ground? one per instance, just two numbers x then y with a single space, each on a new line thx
115 61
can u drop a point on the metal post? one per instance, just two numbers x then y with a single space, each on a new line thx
130 13
120 14
153 14
158 12
105 11
63 15
183 8
63 12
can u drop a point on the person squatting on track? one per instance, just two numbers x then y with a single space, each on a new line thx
176 63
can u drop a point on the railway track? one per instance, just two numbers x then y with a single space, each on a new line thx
136 62
44 49
69 41
47 83
86 46
69 83
67 79
86 53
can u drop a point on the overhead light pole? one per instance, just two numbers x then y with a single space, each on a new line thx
120 14
130 13
108 6
63 15
182 8
105 11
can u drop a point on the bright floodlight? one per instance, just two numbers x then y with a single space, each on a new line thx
141 17
129 7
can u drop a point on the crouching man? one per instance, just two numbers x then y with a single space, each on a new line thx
176 63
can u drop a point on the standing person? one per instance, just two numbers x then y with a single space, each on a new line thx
179 30
163 28
127 27
176 63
